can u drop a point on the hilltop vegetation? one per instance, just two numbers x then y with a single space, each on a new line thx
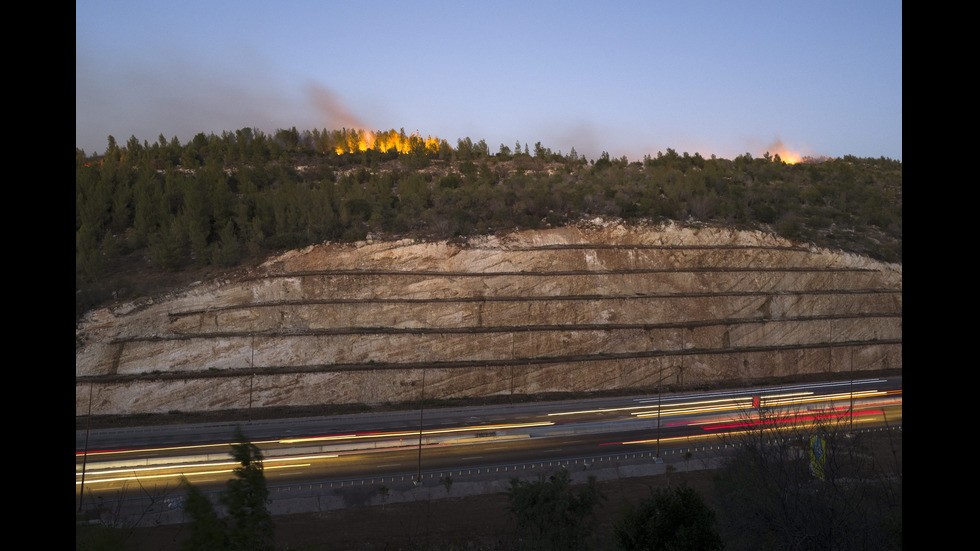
166 212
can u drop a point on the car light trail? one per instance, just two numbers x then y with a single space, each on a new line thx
186 469
715 405
667 440
413 433
191 469
752 427
799 419
325 438
179 474
766 402
146 450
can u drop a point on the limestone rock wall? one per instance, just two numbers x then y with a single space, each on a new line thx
572 309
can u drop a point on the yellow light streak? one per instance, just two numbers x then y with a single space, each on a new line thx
144 450
265 462
415 433
606 410
712 409
673 438
778 400
824 398
673 407
399 434
180 474
863 419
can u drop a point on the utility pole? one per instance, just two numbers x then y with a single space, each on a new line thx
830 355
88 424
660 394
418 475
851 369
251 379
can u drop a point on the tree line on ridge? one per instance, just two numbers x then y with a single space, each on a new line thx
217 200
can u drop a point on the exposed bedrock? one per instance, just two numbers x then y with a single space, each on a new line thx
591 308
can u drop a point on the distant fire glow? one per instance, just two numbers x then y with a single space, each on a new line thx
784 153
353 141
789 157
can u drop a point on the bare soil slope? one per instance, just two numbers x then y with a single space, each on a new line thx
594 308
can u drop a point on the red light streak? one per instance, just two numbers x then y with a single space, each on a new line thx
791 419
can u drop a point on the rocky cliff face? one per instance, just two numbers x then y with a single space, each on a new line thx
595 307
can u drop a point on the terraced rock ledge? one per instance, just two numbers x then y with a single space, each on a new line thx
577 309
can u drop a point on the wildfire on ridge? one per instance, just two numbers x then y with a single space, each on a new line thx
352 141
358 140
785 154
789 157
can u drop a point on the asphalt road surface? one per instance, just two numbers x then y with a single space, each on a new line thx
121 463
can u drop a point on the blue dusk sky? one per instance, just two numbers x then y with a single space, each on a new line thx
627 77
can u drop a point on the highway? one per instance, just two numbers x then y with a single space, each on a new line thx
122 463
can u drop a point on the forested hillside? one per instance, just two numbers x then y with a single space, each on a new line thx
148 213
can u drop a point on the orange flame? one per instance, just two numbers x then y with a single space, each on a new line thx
784 153
789 157
351 141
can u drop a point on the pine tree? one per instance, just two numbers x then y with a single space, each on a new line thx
250 522
207 531
669 519
553 515
248 525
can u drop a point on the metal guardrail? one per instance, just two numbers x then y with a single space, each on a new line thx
595 461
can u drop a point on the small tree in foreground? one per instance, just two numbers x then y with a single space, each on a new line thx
672 518
249 523
551 514
208 530
246 499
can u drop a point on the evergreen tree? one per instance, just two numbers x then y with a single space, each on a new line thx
248 525
165 245
88 254
207 531
196 217
227 251
675 519
250 522
138 199
551 514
